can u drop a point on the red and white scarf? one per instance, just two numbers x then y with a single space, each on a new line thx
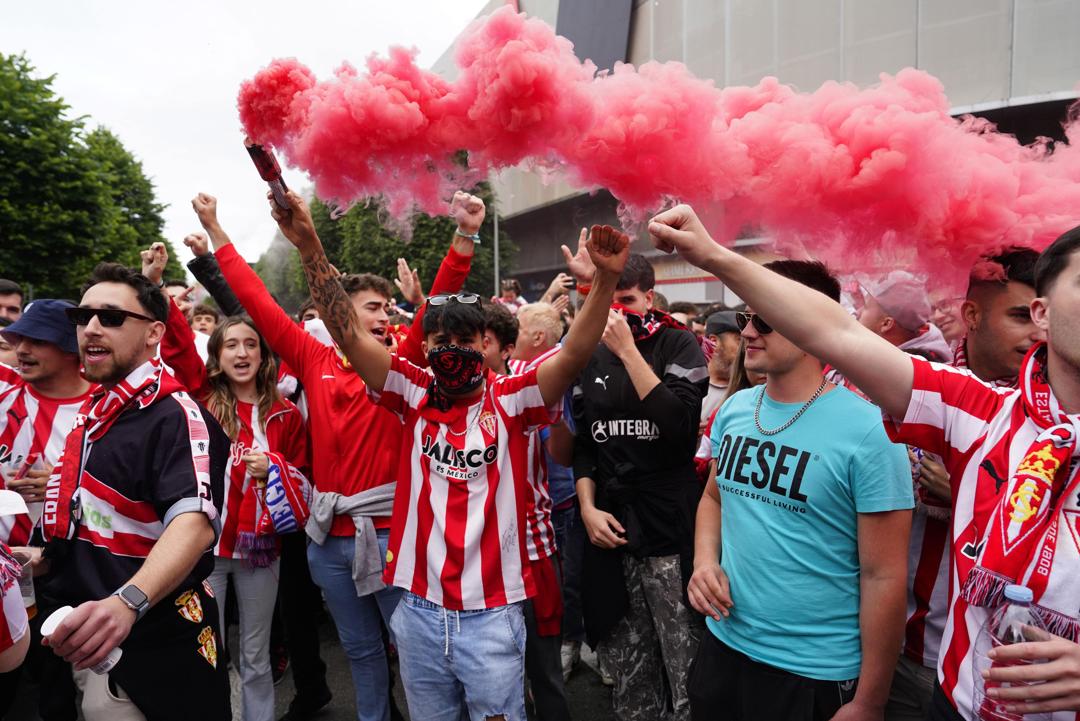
1021 537
960 360
645 326
143 387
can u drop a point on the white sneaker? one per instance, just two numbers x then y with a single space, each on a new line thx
571 654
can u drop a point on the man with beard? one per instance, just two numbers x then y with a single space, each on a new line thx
38 406
131 512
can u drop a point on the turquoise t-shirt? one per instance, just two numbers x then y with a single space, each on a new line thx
789 539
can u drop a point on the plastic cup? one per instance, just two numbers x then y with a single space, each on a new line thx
54 620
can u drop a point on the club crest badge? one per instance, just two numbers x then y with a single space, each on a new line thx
190 606
487 422
208 646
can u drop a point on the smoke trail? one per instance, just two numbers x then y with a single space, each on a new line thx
854 175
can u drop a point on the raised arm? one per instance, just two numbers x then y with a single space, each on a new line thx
366 354
468 211
204 267
608 249
804 316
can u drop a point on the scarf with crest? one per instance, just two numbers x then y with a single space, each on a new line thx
645 326
143 386
1022 533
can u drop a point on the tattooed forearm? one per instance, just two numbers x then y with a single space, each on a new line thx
330 298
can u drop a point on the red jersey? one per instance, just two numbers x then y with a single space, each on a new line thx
973 425
458 536
30 423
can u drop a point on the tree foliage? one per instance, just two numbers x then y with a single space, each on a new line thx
69 198
362 242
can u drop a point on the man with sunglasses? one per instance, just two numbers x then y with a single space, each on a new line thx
354 452
804 589
996 442
131 514
457 542
39 401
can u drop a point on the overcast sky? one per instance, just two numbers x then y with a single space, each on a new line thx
164 78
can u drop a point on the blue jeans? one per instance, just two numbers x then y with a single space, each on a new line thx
357 621
452 661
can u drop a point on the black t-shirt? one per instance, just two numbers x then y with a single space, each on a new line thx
152 465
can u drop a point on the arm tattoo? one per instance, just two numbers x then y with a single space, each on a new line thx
334 305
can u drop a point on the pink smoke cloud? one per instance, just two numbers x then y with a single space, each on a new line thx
855 176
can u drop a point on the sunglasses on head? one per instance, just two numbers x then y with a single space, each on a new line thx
107 317
459 297
742 319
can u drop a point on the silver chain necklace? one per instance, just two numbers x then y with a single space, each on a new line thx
757 410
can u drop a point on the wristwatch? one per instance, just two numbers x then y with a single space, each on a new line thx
134 599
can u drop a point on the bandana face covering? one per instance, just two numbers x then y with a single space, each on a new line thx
457 370
644 326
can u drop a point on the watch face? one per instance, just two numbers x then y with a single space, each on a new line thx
133 596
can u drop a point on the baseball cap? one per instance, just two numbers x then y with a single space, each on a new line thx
45 320
902 296
721 322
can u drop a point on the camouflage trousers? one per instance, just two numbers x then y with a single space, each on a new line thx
650 650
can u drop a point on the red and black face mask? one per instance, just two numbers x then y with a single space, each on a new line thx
644 326
457 369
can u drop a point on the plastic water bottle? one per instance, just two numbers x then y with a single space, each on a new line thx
1013 622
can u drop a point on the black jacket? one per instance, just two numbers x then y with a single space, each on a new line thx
206 270
640 454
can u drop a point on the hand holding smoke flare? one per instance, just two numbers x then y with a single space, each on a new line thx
882 174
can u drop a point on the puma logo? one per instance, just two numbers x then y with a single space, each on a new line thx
972 550
992 472
602 381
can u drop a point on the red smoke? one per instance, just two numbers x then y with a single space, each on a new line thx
855 176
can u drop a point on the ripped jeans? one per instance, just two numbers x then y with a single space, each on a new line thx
461 663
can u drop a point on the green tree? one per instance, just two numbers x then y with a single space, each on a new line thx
361 242
279 268
68 198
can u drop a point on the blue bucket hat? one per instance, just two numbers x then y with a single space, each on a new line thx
45 320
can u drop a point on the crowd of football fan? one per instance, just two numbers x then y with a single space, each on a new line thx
708 497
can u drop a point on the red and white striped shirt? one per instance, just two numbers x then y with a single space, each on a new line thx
539 530
928 567
30 423
458 532
966 421
13 622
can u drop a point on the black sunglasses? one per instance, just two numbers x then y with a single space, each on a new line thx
108 317
459 297
742 319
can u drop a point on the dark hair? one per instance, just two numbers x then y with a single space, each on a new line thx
501 322
304 308
353 283
683 307
510 284
638 273
811 273
10 287
453 318
1016 263
175 284
1053 260
203 309
150 297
